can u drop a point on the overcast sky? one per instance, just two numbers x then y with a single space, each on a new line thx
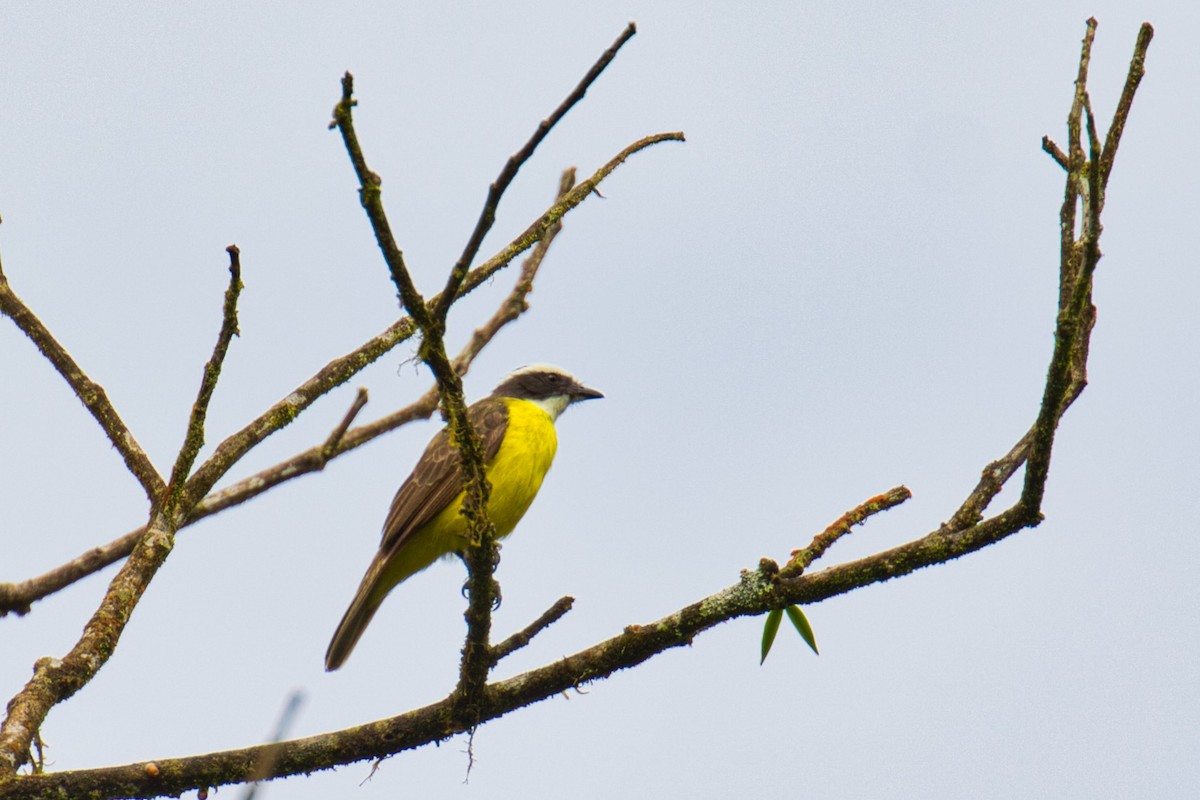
843 281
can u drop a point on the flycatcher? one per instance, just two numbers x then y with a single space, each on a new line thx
516 427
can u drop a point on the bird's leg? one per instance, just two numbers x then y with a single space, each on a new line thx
496 596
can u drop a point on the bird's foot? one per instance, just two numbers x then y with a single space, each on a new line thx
496 595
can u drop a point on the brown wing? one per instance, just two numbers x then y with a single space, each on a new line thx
437 478
433 484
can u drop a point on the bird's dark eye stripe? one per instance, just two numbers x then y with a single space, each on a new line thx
543 379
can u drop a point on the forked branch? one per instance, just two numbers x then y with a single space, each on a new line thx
488 215
757 591
56 680
18 597
430 318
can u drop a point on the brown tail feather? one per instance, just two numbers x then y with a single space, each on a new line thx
354 622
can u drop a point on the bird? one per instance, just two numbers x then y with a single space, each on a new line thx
515 424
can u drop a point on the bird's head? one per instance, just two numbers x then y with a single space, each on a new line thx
552 388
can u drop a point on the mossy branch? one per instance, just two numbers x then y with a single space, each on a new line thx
90 393
18 597
477 654
194 437
496 190
756 592
56 680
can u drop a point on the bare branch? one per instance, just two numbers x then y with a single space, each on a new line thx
342 369
533 234
1137 69
1075 146
801 559
335 438
371 196
56 680
1058 155
487 216
194 438
477 657
90 393
526 634
17 597
754 594
1067 375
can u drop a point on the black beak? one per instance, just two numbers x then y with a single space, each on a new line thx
579 393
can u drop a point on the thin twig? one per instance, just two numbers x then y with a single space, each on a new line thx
432 349
524 636
992 480
801 559
194 438
264 764
1137 70
534 233
342 369
17 597
487 216
90 393
371 197
335 438
753 595
54 681
1057 154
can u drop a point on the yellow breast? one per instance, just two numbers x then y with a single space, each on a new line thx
522 462
515 474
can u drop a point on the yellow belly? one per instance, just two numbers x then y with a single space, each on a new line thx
515 474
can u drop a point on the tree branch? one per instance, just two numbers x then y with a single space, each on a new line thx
477 655
194 438
56 680
487 216
1137 70
1057 154
480 555
801 559
755 593
90 393
371 196
432 350
17 597
53 680
524 636
1086 178
342 369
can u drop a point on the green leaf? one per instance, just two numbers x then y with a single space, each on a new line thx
801 622
770 628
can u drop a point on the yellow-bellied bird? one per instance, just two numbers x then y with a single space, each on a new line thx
516 426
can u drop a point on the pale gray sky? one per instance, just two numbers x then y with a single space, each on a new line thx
845 280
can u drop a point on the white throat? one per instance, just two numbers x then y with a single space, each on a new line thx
552 405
